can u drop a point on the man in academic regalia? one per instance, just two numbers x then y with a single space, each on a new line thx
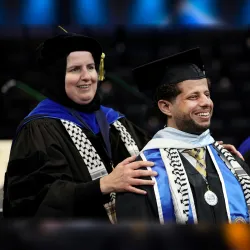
198 180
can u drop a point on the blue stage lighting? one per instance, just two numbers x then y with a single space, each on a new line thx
2 17
246 13
197 12
148 12
90 12
39 12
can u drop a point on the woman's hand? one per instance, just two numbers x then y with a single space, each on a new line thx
126 175
231 149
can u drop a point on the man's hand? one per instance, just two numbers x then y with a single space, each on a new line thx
231 149
126 175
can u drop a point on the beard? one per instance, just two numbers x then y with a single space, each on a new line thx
188 125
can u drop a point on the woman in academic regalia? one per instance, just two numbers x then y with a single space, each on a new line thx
64 151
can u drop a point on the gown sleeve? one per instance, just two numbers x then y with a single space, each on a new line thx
137 207
39 180
131 206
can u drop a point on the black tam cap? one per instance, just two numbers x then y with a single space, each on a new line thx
62 45
174 69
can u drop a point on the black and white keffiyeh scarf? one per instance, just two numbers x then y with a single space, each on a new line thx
92 159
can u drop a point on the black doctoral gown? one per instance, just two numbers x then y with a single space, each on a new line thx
47 177
131 206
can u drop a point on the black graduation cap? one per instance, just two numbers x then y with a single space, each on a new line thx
62 45
183 66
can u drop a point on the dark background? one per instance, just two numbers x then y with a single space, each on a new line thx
132 32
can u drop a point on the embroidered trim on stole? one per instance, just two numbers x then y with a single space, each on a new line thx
93 161
126 138
222 184
89 155
179 185
237 171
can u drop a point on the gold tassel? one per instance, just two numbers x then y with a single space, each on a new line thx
62 29
101 68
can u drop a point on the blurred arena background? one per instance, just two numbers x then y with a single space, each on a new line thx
132 32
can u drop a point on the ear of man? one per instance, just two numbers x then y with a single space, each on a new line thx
165 107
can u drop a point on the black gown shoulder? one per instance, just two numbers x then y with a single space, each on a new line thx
46 176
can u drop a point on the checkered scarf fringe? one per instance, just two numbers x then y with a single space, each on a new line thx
178 182
126 138
239 173
93 161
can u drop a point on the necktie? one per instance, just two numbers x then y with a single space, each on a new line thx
199 155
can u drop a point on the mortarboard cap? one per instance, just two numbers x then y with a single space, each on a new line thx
62 45
183 66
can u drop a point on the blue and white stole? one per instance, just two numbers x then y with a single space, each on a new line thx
173 194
